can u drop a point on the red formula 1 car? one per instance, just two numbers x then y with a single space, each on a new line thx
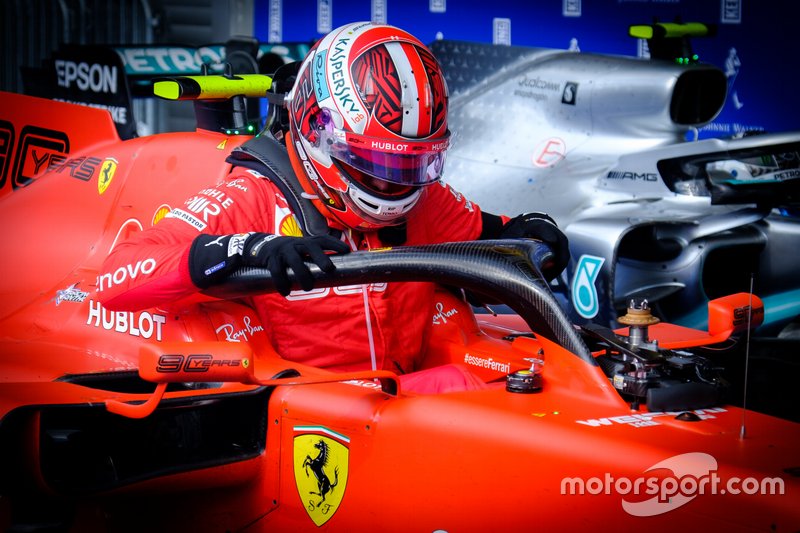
184 418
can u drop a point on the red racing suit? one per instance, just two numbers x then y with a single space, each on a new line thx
339 328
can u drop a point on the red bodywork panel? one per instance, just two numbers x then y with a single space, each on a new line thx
465 461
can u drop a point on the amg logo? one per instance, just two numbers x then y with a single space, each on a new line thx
635 176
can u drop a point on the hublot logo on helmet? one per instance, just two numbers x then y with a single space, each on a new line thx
390 146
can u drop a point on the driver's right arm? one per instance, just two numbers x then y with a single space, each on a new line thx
152 267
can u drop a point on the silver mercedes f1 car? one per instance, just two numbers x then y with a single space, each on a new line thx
608 146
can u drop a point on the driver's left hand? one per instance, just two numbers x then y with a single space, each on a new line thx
541 226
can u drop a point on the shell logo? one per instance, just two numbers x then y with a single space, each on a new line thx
107 171
289 227
160 213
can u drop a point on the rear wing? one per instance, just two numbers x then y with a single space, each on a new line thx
42 134
38 134
143 64
112 77
40 129
671 40
93 76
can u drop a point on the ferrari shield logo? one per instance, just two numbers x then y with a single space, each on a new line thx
321 458
107 170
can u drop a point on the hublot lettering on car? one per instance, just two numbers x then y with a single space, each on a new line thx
144 324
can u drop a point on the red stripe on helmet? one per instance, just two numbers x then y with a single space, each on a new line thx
424 102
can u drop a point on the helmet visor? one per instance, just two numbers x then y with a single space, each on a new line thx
405 162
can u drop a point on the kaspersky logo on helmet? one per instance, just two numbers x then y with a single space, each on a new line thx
340 78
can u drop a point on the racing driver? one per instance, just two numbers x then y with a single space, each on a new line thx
362 133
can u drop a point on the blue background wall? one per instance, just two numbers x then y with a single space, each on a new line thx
762 34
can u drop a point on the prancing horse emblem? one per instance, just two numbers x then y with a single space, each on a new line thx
325 454
317 466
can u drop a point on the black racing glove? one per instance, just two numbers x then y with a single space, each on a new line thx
278 253
542 227
213 257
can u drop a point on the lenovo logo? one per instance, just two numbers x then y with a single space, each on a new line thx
125 273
